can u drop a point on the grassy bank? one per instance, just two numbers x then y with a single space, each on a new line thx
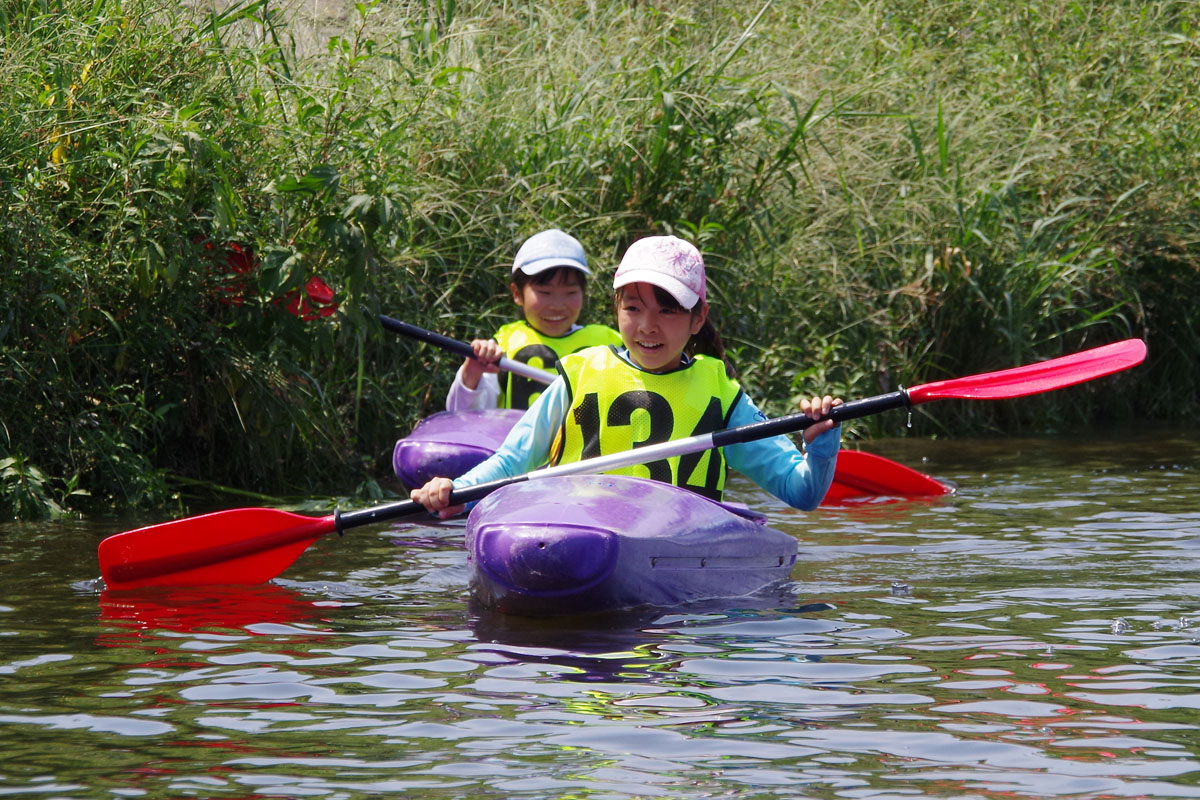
885 194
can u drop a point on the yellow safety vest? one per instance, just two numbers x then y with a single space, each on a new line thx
616 406
522 342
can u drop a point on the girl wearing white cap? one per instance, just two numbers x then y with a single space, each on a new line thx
549 278
667 380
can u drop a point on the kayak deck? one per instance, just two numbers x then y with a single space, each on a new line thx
589 543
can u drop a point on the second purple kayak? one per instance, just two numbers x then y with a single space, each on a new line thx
447 444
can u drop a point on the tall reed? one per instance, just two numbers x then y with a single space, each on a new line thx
883 195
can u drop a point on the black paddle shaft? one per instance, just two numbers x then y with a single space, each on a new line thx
403 508
798 422
445 342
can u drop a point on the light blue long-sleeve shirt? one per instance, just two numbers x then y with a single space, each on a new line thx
776 464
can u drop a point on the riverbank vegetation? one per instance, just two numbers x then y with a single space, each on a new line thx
198 203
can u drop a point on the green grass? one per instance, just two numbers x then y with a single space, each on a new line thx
885 194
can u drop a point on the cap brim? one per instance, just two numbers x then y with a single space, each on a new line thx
676 288
543 264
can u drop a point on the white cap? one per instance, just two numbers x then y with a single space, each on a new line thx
667 262
550 249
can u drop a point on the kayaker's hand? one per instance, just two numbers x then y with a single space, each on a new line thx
819 408
435 496
487 355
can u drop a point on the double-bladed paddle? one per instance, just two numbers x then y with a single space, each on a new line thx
251 545
857 475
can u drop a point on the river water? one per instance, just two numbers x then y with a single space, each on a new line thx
1036 634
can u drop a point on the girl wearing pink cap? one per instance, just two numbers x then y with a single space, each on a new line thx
669 380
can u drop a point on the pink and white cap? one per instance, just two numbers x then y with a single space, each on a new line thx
667 262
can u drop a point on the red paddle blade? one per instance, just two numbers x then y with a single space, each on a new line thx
1045 376
860 474
243 545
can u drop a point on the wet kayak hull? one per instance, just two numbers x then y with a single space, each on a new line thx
593 543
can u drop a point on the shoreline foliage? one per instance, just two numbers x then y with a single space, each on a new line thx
198 202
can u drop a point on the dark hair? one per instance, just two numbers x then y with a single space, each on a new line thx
521 279
705 341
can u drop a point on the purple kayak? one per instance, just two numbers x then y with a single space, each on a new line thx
596 543
447 444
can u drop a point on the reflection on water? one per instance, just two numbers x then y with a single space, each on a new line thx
190 609
1035 635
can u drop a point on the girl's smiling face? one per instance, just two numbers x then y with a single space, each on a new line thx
655 334
551 307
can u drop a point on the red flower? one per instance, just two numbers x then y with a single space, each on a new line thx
233 276
316 302
240 259
231 266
